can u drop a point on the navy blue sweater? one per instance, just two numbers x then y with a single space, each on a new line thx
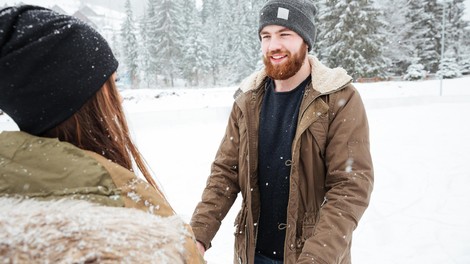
278 122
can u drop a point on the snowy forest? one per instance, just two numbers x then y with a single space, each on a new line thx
215 43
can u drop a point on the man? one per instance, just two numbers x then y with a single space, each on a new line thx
296 147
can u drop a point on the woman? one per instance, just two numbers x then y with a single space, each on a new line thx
66 178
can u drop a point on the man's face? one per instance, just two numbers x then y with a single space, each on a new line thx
284 51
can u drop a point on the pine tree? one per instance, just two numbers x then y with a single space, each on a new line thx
431 56
350 37
424 34
195 60
149 31
449 68
256 41
144 52
455 29
320 19
465 57
215 36
206 10
248 42
237 37
415 71
168 39
116 46
230 32
129 45
397 50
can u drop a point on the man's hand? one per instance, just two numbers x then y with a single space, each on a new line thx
201 248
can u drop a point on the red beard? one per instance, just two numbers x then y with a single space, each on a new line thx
287 69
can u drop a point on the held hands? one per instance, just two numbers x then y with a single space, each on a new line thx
201 248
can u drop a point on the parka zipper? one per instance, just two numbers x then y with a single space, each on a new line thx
251 149
296 139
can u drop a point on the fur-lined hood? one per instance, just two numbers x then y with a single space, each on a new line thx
324 79
72 231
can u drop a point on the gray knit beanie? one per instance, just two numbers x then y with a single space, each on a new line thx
297 15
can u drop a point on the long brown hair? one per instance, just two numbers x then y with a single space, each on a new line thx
100 126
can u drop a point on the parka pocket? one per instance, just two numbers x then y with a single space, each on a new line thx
240 221
240 225
240 234
308 225
308 228
319 132
310 222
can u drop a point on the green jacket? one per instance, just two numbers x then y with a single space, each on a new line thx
331 176
44 169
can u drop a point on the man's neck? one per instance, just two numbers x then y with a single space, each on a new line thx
294 81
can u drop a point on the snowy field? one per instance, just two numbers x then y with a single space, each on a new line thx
420 146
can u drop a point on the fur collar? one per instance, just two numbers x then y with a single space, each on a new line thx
324 79
73 231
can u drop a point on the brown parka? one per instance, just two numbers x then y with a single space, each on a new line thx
331 176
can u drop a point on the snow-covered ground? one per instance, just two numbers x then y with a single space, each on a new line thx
420 146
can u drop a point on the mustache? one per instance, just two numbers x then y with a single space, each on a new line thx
277 52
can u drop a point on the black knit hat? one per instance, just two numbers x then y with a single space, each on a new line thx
50 66
297 15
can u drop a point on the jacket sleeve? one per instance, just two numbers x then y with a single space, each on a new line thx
222 186
348 183
138 194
